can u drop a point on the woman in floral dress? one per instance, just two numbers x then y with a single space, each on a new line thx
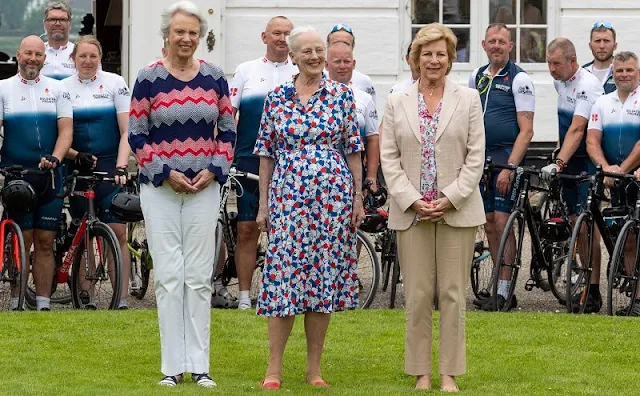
310 204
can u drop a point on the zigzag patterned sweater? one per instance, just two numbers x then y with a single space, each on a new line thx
172 123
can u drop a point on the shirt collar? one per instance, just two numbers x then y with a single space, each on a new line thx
501 73
290 89
276 64
29 82
89 80
62 47
573 78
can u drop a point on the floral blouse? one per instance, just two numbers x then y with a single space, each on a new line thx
428 126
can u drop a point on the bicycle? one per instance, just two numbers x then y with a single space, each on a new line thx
579 266
94 257
13 263
481 271
622 288
548 225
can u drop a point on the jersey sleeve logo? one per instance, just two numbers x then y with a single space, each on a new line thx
525 90
594 117
234 91
582 96
123 91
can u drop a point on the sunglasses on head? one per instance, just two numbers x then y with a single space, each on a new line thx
602 24
342 26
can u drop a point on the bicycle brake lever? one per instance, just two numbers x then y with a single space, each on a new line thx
53 179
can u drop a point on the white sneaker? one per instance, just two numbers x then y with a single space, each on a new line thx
204 380
244 305
171 380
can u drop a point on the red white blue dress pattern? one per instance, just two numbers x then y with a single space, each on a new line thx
311 255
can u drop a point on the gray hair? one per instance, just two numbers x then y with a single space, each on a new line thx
58 5
185 7
292 40
563 44
624 56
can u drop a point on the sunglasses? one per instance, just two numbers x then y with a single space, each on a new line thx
342 26
602 24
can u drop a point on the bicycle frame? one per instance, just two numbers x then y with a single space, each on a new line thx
16 249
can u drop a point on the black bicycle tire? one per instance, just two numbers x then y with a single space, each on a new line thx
375 271
386 263
474 269
97 229
573 245
551 275
616 263
516 265
395 279
12 230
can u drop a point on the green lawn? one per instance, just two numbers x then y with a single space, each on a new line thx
117 353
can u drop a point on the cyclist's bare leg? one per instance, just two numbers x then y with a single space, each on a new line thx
279 330
43 262
245 254
315 329
510 250
121 233
27 237
222 257
596 253
492 235
630 259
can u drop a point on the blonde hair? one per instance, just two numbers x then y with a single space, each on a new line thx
88 39
428 34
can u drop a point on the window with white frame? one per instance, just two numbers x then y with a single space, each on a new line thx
453 14
528 20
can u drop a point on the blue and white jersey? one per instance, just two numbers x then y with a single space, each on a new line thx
58 64
364 83
96 103
29 110
366 113
619 123
251 83
576 96
607 80
502 96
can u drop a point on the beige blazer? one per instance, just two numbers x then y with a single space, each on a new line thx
459 155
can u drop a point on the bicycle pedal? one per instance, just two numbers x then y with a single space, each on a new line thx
529 285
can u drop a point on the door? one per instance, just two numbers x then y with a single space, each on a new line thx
145 42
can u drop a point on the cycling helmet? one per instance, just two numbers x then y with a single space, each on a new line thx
126 207
18 197
377 199
375 221
555 230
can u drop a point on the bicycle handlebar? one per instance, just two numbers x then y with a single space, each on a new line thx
236 173
95 178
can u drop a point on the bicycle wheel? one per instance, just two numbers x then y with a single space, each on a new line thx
13 276
60 292
481 266
578 268
623 278
218 239
509 258
368 270
388 256
395 279
141 262
96 275
557 255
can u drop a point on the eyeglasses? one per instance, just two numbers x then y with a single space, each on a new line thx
57 20
602 24
342 26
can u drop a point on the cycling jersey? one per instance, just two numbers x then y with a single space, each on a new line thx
619 123
504 95
29 110
96 103
251 82
575 98
402 85
58 64
367 114
607 82
365 83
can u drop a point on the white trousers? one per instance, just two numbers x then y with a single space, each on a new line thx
180 230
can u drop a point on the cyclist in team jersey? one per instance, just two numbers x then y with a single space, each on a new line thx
100 124
251 82
577 92
406 83
343 33
340 65
36 114
57 25
508 102
602 44
613 137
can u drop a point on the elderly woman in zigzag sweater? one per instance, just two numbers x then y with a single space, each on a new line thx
177 103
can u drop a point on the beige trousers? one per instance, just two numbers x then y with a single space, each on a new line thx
433 254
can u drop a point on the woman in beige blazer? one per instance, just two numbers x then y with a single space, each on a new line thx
432 153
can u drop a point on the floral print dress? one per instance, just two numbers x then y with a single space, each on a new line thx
428 127
311 254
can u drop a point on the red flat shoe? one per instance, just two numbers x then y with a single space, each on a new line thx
319 383
271 382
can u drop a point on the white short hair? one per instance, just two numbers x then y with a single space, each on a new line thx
185 7
292 40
